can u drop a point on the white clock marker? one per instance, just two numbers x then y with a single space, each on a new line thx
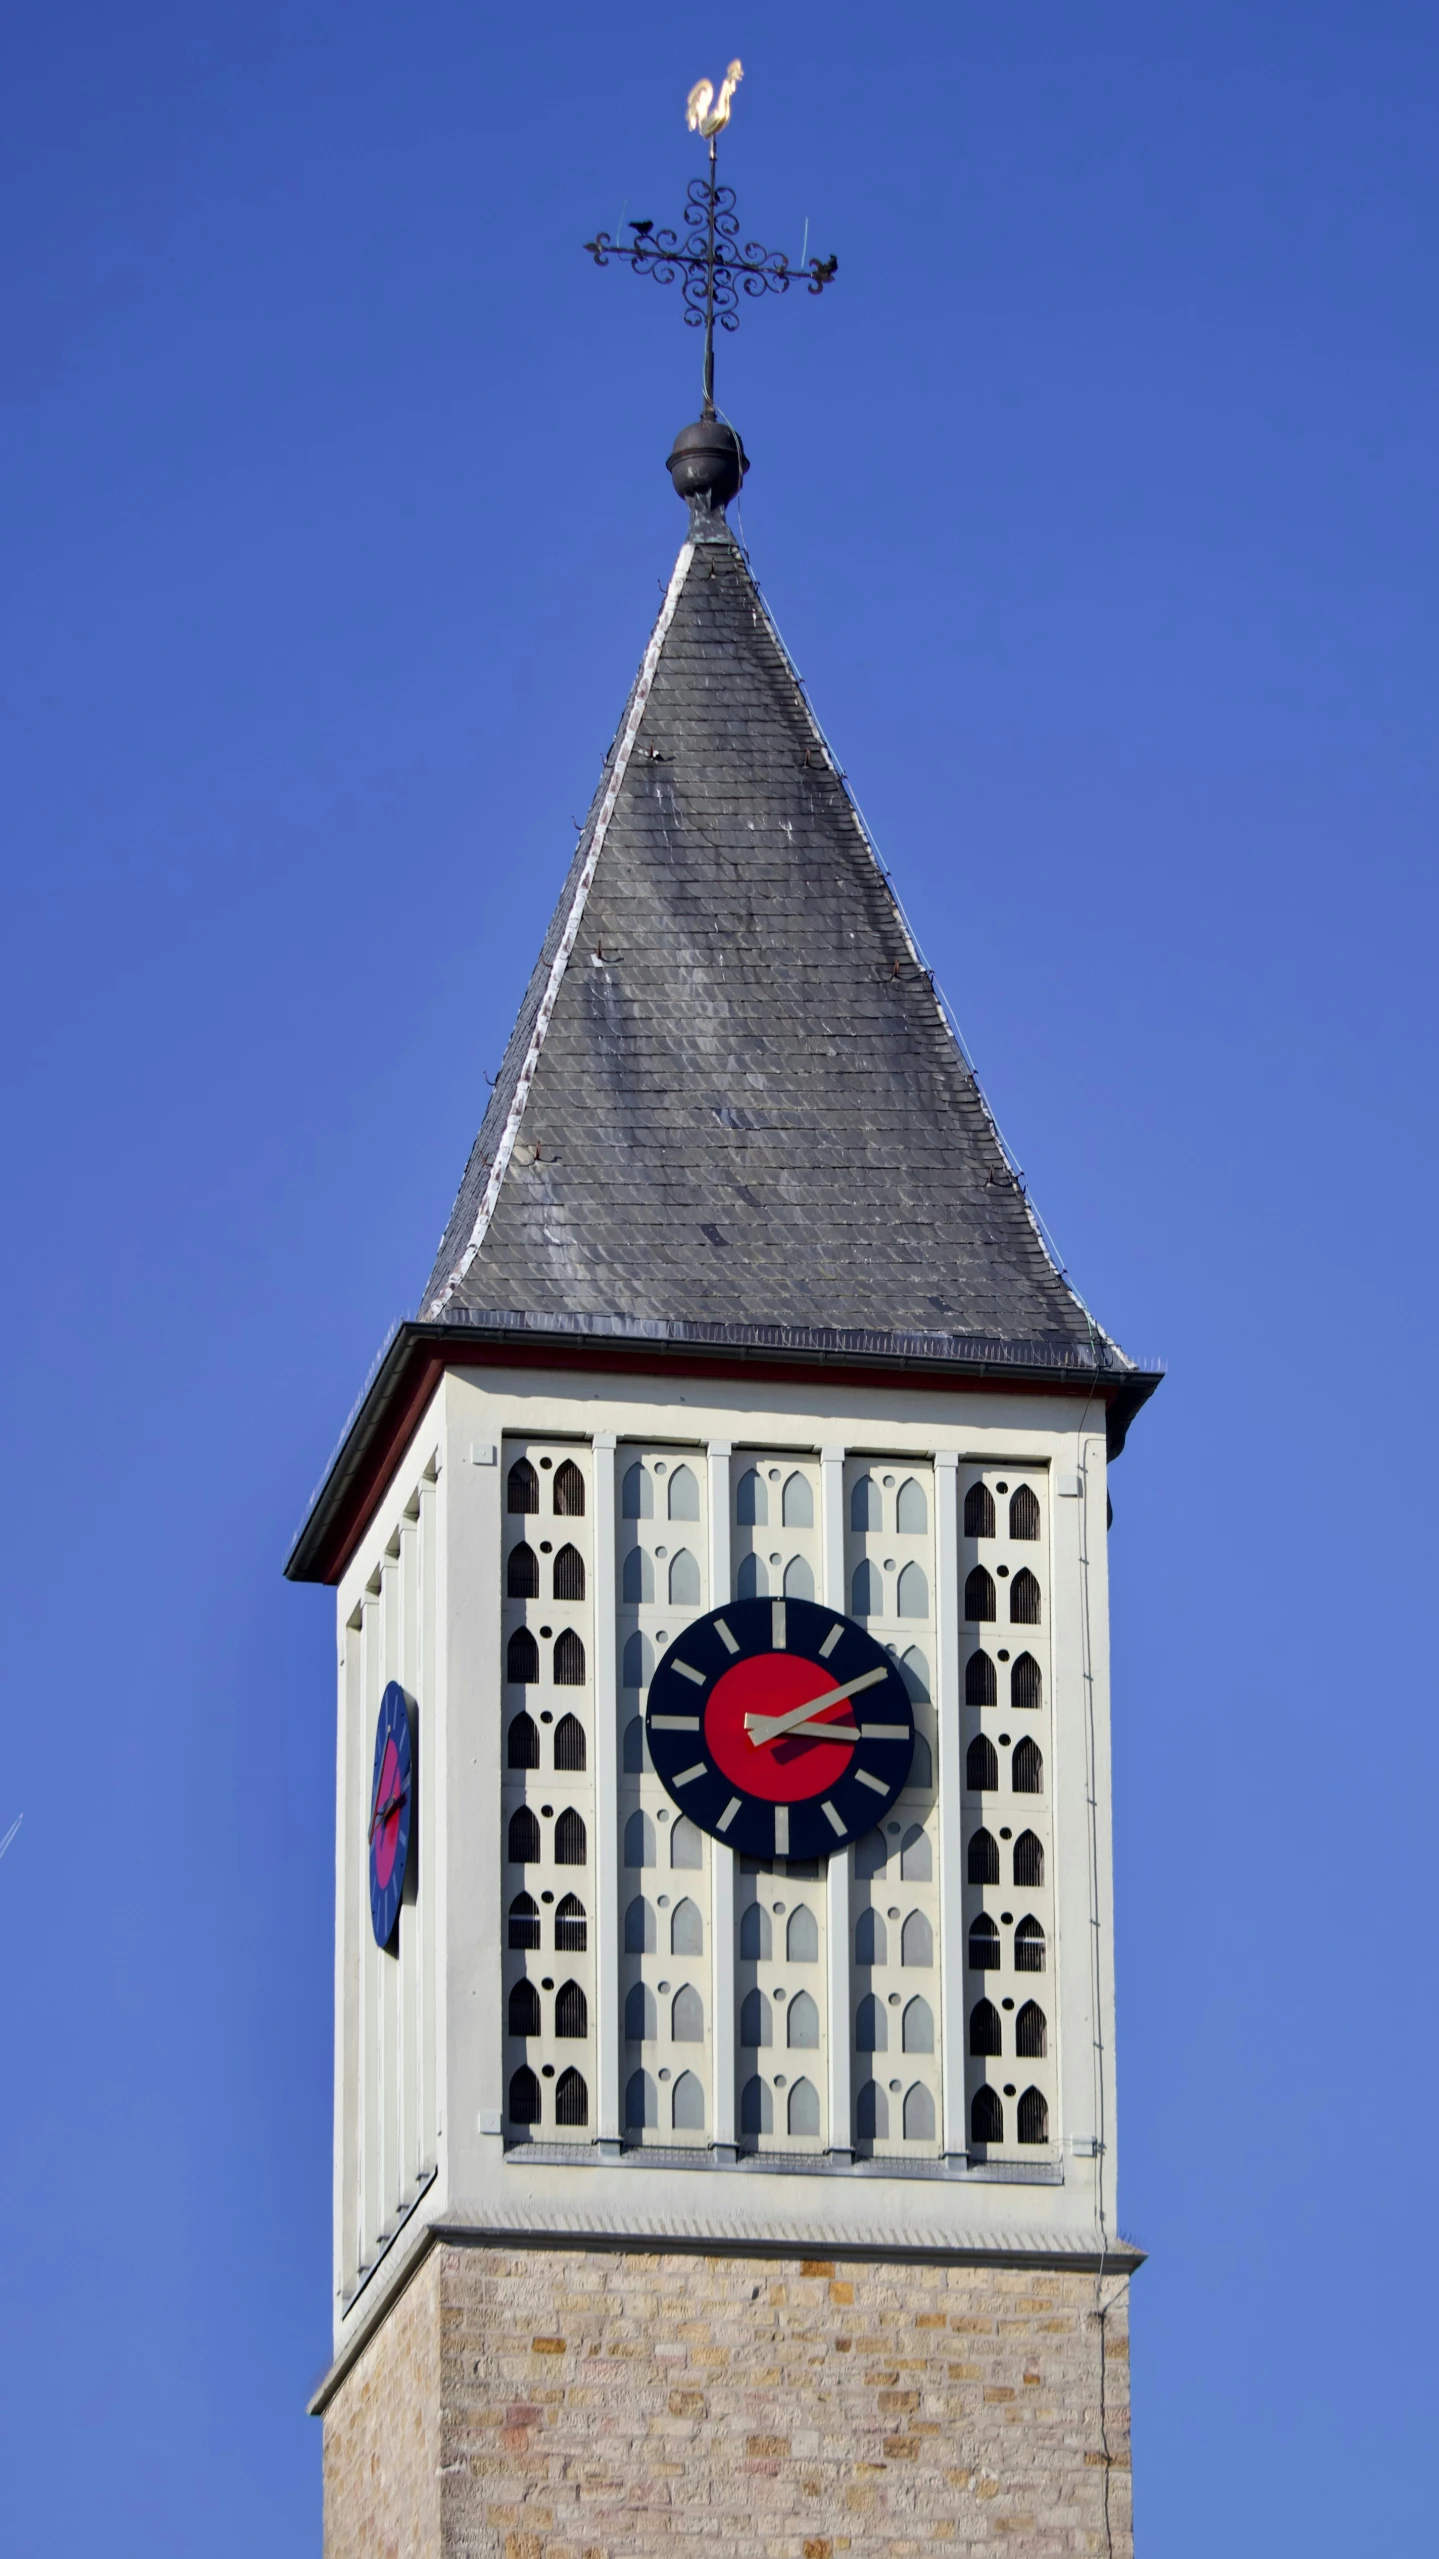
876 1783
830 1641
781 1830
832 1817
727 1816
687 1776
777 1625
686 1673
726 1638
674 1723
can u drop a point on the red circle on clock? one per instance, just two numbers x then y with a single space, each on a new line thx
791 1768
387 1822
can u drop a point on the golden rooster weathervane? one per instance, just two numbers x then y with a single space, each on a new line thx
712 266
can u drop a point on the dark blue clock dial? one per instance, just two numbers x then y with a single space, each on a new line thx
391 1811
780 1727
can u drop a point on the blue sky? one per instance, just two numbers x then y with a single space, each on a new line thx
1096 504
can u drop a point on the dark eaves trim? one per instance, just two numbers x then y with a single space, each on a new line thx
419 1353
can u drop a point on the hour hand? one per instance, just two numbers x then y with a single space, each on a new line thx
812 1730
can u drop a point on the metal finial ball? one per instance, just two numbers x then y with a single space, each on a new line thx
708 462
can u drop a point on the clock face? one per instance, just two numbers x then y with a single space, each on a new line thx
781 1728
392 1807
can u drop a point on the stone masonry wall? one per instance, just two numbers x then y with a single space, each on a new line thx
601 2405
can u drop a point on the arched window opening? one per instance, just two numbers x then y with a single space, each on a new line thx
983 1866
921 1766
980 1686
684 1497
798 1579
919 2027
569 1660
916 1940
687 1929
754 1934
984 2029
915 1671
524 1838
687 2016
913 1592
686 1844
986 2116
571 1846
572 1934
871 2114
754 2021
569 1575
756 2109
797 1503
569 1742
871 1941
1026 1769
1029 1947
1031 2034
572 2011
916 1863
633 1747
979 1597
751 1503
522 1658
865 1508
641 2014
871 2025
1028 1859
569 1492
871 1856
1026 1686
524 1931
637 1494
1023 1521
983 1944
804 2108
751 1580
687 2109
523 1489
522 1573
981 1766
1033 2115
524 2098
642 2111
572 2099
637 1577
639 1926
639 1661
802 2023
867 1591
912 1510
801 1937
524 2009
522 1743
979 1511
1024 1599
918 2113
684 1580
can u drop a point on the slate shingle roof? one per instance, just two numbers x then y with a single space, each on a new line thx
731 1099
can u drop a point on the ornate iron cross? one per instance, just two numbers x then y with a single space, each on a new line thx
712 267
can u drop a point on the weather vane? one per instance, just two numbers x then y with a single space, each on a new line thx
712 267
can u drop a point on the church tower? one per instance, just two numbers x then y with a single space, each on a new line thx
724 2080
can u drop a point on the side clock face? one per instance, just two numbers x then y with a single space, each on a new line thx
783 1729
392 1807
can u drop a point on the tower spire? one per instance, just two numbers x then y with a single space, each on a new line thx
713 268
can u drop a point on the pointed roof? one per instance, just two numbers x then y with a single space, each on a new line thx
732 1099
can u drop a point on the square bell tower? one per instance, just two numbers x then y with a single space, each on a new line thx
725 2135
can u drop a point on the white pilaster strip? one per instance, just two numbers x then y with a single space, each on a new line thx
560 962
607 1795
949 1747
722 1991
839 1912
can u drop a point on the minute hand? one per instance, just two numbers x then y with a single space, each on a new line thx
768 1728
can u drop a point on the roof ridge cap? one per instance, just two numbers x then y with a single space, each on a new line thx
600 829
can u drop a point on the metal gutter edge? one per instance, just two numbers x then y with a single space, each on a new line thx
420 1352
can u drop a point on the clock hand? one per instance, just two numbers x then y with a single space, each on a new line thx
768 1728
384 1811
822 1732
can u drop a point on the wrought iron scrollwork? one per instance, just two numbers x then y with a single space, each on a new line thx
710 263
